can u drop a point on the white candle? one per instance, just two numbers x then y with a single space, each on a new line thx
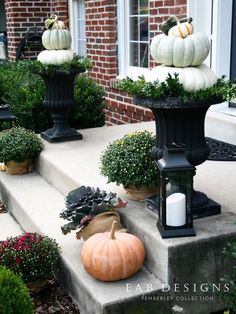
176 210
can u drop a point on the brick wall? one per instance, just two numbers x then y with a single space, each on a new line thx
23 15
101 30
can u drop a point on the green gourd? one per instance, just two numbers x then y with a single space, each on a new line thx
172 21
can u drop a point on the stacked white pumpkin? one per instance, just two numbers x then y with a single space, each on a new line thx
56 40
182 51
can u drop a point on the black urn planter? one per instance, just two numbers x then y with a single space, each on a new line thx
182 122
59 99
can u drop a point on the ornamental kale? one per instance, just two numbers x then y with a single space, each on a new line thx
84 203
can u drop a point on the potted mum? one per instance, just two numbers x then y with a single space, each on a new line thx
129 161
91 210
18 148
33 256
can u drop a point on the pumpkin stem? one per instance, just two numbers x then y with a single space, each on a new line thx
113 230
49 22
176 18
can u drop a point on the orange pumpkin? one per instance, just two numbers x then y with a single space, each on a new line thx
110 257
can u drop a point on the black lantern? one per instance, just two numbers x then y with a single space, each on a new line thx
176 183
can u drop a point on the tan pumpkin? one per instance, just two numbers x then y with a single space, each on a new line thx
181 29
111 257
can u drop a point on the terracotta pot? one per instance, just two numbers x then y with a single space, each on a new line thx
140 194
100 223
19 168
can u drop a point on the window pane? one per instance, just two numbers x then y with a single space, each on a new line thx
133 7
134 60
143 7
144 55
134 28
144 29
138 33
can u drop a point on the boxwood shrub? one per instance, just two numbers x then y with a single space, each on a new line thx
23 91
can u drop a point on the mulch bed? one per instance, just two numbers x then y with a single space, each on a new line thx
54 299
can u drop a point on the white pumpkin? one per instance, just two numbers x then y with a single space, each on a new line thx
55 56
179 52
56 39
192 78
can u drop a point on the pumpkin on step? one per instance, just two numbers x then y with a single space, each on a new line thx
180 52
112 256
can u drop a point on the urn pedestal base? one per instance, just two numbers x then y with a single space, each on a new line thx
55 135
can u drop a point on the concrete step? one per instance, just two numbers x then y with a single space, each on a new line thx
36 201
36 206
9 227
221 126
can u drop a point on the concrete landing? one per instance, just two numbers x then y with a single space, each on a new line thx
36 199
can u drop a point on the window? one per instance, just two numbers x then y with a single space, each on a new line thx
78 27
133 37
214 18
2 16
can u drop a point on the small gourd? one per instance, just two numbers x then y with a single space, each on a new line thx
181 29
55 57
192 78
171 21
56 36
110 257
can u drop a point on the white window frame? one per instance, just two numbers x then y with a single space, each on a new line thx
123 43
214 18
74 16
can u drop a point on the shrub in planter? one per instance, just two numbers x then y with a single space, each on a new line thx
31 255
23 92
14 296
18 145
129 161
91 210
229 297
89 96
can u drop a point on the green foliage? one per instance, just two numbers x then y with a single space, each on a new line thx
84 203
19 144
229 298
23 92
89 98
223 90
30 255
82 64
14 296
128 160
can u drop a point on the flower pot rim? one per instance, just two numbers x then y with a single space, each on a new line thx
174 102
